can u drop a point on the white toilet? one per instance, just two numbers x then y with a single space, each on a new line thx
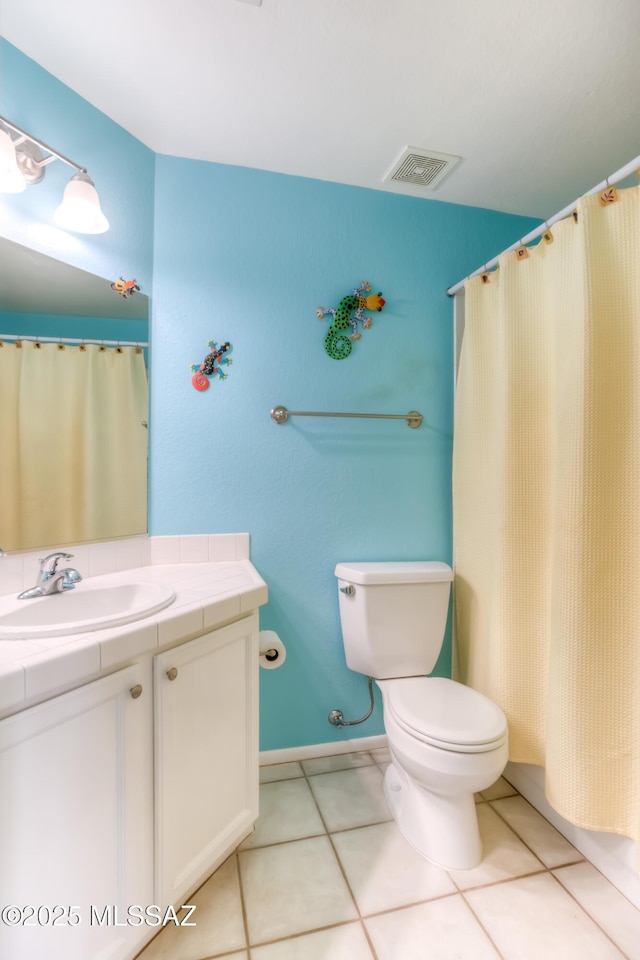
447 741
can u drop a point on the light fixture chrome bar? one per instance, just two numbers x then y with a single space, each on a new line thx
53 154
281 415
23 162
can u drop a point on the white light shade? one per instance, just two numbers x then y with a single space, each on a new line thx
11 180
80 208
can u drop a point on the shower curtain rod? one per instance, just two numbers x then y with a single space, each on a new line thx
632 167
77 340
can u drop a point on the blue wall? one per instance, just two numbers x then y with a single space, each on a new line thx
247 256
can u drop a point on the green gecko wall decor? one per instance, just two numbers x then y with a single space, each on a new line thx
347 314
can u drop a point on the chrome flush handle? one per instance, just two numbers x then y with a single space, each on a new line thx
349 590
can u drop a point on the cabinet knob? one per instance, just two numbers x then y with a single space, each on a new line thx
173 673
136 691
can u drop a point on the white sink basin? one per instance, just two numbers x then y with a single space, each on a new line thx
82 609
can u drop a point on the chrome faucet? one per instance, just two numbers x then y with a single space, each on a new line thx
50 579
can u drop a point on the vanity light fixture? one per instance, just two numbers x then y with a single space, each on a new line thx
23 160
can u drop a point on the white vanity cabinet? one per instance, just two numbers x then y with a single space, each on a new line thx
129 790
206 754
76 781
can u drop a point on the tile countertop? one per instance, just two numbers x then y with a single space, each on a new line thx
207 595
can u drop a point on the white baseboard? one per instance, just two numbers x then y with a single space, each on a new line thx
288 754
612 854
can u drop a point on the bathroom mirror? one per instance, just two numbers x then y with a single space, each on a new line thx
47 302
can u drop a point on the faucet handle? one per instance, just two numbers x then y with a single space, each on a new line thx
71 576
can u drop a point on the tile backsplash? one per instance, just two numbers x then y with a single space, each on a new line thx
19 571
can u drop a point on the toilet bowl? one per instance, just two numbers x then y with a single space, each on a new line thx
447 742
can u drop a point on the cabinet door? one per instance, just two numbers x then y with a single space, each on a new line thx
206 754
75 811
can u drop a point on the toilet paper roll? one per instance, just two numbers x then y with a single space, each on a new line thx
272 651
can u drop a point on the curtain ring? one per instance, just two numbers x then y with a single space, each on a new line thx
609 194
547 236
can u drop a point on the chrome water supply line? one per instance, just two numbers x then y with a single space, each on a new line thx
336 717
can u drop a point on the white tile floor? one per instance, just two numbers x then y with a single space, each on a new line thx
327 876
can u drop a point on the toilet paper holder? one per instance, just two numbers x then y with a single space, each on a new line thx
271 650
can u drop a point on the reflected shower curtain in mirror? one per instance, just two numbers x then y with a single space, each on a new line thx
73 446
547 507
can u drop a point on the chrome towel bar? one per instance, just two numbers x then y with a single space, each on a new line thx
281 415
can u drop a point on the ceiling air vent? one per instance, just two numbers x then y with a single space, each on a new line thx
421 168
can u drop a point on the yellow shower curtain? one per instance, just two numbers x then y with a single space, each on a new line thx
547 507
73 448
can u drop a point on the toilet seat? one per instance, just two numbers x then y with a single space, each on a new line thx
445 714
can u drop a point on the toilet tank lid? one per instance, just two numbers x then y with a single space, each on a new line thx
398 571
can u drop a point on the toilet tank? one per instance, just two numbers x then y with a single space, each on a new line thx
393 616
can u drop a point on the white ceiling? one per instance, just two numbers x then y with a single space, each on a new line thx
539 97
